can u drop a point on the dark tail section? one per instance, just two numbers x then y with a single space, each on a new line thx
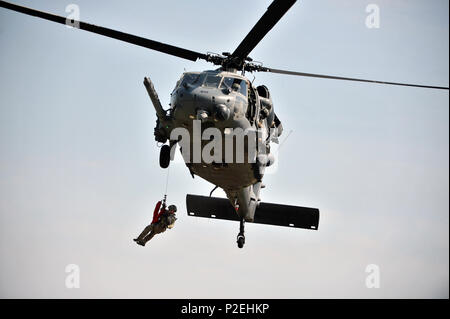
266 213
285 215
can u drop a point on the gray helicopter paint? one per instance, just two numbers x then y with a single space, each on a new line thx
188 102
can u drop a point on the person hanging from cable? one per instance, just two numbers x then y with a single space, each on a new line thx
162 219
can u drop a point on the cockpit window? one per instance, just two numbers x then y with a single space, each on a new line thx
212 81
235 84
189 78
227 83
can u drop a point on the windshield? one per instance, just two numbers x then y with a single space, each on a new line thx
189 78
212 81
234 84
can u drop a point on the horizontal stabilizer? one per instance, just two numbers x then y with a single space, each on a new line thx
266 213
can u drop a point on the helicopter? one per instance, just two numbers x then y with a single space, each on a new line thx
223 104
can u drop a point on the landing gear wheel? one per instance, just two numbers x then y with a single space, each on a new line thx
240 241
241 238
164 156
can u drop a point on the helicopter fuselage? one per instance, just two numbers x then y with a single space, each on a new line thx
209 107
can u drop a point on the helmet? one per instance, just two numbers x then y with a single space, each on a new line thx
172 208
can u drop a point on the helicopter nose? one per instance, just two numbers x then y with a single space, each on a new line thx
221 112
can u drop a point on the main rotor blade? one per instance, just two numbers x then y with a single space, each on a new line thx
273 14
122 36
264 69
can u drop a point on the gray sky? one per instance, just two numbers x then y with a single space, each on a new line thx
79 172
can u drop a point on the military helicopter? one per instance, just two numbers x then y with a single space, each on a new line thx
225 100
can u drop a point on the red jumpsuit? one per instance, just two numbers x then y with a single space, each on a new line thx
157 212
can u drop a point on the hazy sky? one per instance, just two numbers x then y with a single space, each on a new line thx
79 172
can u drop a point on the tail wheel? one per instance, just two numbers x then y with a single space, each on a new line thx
240 241
241 238
164 156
